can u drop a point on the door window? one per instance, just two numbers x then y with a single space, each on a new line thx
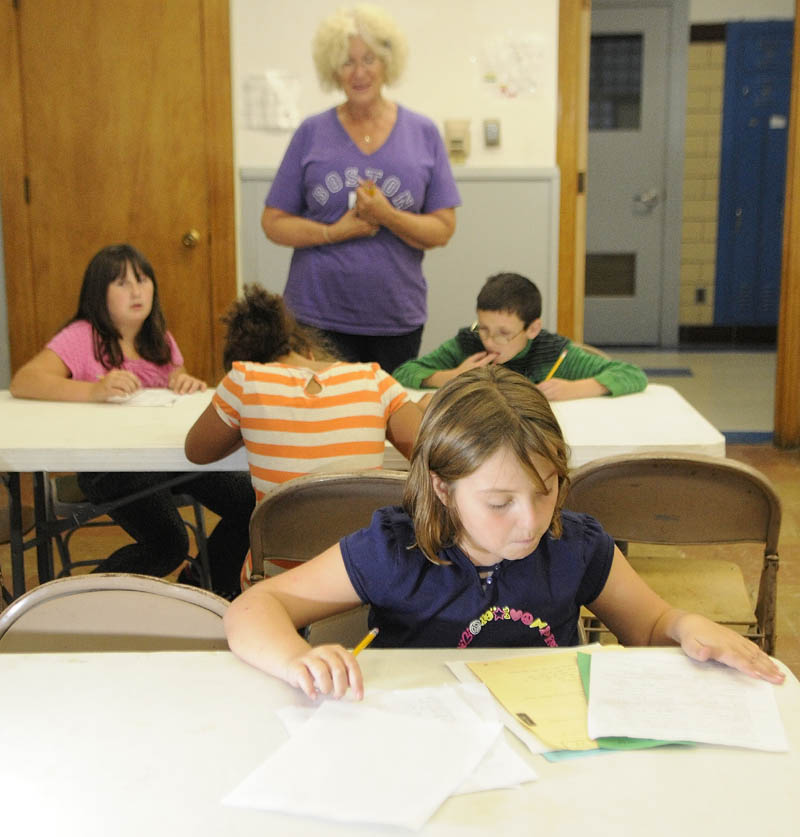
615 82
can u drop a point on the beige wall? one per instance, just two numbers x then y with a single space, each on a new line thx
701 181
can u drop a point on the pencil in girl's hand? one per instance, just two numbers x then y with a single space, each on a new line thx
365 642
555 365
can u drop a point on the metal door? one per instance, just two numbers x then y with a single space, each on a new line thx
758 67
626 175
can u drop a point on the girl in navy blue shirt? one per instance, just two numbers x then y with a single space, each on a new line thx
480 554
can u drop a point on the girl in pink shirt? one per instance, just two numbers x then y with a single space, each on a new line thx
116 343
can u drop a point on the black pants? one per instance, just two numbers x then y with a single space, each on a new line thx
162 542
389 352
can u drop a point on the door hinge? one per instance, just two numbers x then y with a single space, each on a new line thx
581 182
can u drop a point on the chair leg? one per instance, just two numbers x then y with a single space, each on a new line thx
766 604
198 528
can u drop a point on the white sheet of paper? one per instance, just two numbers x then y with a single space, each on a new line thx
664 694
153 397
501 767
535 745
353 763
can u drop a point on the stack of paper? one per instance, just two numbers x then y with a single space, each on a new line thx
392 761
669 696
638 698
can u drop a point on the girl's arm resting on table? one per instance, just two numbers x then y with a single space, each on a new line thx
210 439
183 383
295 231
47 378
639 616
261 626
402 427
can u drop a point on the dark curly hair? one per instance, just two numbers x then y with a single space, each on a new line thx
261 329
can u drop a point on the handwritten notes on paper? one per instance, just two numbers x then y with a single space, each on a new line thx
664 694
545 694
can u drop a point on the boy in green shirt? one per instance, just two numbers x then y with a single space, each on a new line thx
509 331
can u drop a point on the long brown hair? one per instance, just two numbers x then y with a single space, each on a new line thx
106 266
468 420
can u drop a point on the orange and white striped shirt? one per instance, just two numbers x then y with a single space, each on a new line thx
288 431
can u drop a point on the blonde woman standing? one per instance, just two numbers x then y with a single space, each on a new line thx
363 190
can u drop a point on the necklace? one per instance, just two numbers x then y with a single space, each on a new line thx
373 120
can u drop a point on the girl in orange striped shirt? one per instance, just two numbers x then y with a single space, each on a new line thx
296 409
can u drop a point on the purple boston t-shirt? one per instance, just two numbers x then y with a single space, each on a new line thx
75 346
371 285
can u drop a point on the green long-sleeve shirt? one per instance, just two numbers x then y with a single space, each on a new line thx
534 361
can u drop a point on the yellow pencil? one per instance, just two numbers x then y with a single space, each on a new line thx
365 642
556 365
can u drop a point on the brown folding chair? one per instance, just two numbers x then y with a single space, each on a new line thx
304 516
680 500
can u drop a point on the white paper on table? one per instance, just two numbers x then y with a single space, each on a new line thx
465 674
501 767
353 763
666 695
148 397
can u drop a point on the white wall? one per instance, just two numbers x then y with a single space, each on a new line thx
722 11
448 40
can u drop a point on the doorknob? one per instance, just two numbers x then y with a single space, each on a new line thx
645 201
190 238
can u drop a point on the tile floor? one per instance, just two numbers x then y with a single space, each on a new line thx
713 383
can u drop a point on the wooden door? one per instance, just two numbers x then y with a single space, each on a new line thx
119 129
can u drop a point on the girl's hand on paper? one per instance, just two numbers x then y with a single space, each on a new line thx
118 383
183 383
702 639
326 670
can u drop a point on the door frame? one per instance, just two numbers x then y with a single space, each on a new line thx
17 236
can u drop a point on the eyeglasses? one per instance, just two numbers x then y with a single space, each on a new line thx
368 61
500 339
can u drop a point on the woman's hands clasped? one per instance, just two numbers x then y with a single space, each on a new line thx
372 205
350 225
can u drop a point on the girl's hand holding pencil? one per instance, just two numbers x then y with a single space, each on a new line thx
329 670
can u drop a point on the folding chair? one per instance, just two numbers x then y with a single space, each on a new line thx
680 500
304 516
66 501
113 612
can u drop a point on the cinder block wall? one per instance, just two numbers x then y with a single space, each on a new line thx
701 182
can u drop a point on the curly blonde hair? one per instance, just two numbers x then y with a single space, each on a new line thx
373 25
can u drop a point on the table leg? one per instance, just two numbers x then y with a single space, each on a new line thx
15 535
44 541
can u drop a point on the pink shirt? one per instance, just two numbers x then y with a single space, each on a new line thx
75 346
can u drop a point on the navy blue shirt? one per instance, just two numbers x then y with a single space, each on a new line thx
533 601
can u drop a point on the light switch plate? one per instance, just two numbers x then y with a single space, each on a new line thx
491 132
